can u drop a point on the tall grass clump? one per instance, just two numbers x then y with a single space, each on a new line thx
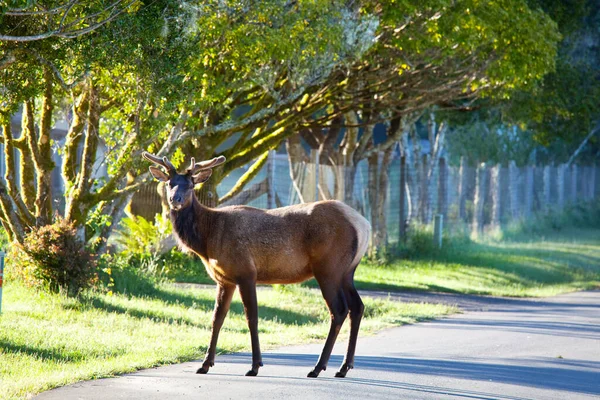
146 251
575 215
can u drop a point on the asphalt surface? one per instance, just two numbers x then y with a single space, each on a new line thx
496 349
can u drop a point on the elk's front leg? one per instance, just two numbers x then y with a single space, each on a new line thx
248 294
222 303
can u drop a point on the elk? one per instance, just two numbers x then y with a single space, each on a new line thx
241 246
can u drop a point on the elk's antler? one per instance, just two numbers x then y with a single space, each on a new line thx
163 162
194 167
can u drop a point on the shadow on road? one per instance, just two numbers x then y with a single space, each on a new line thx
564 329
553 376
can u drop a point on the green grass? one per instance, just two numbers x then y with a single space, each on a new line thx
561 262
51 340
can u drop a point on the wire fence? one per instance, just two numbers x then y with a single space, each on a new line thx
403 192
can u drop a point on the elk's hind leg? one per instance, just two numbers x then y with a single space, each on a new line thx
338 308
222 303
248 294
356 312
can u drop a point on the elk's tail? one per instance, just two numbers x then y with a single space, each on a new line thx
363 231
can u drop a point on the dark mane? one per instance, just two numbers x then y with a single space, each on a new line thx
187 227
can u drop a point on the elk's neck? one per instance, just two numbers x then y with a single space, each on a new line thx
191 226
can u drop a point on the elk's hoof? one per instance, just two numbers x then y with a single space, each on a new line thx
312 374
205 367
343 370
315 372
255 367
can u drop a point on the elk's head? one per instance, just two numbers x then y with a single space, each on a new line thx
180 187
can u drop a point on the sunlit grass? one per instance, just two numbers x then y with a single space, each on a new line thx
50 340
559 263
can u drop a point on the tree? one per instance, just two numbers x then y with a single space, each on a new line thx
563 111
237 78
28 21
432 53
97 82
139 83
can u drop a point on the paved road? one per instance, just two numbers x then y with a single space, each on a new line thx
497 349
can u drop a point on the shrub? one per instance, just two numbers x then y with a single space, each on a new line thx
54 258
145 248
138 236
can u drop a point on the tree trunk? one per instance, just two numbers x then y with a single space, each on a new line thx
414 176
402 201
373 193
27 172
45 165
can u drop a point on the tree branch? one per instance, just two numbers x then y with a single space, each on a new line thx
582 145
246 177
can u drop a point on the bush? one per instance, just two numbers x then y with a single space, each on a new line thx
54 258
137 235
143 249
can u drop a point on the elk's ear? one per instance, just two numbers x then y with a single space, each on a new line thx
158 174
202 176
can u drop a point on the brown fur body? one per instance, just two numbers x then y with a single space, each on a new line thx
284 245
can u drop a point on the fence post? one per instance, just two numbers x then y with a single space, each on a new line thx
462 183
314 159
496 198
478 201
574 183
585 189
546 186
438 224
423 190
513 189
271 179
560 185
442 187
529 190
593 182
401 211
1 277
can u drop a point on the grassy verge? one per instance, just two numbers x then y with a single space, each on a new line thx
50 340
560 262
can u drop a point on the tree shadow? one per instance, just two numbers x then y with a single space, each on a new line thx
532 265
553 376
48 354
552 328
179 298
